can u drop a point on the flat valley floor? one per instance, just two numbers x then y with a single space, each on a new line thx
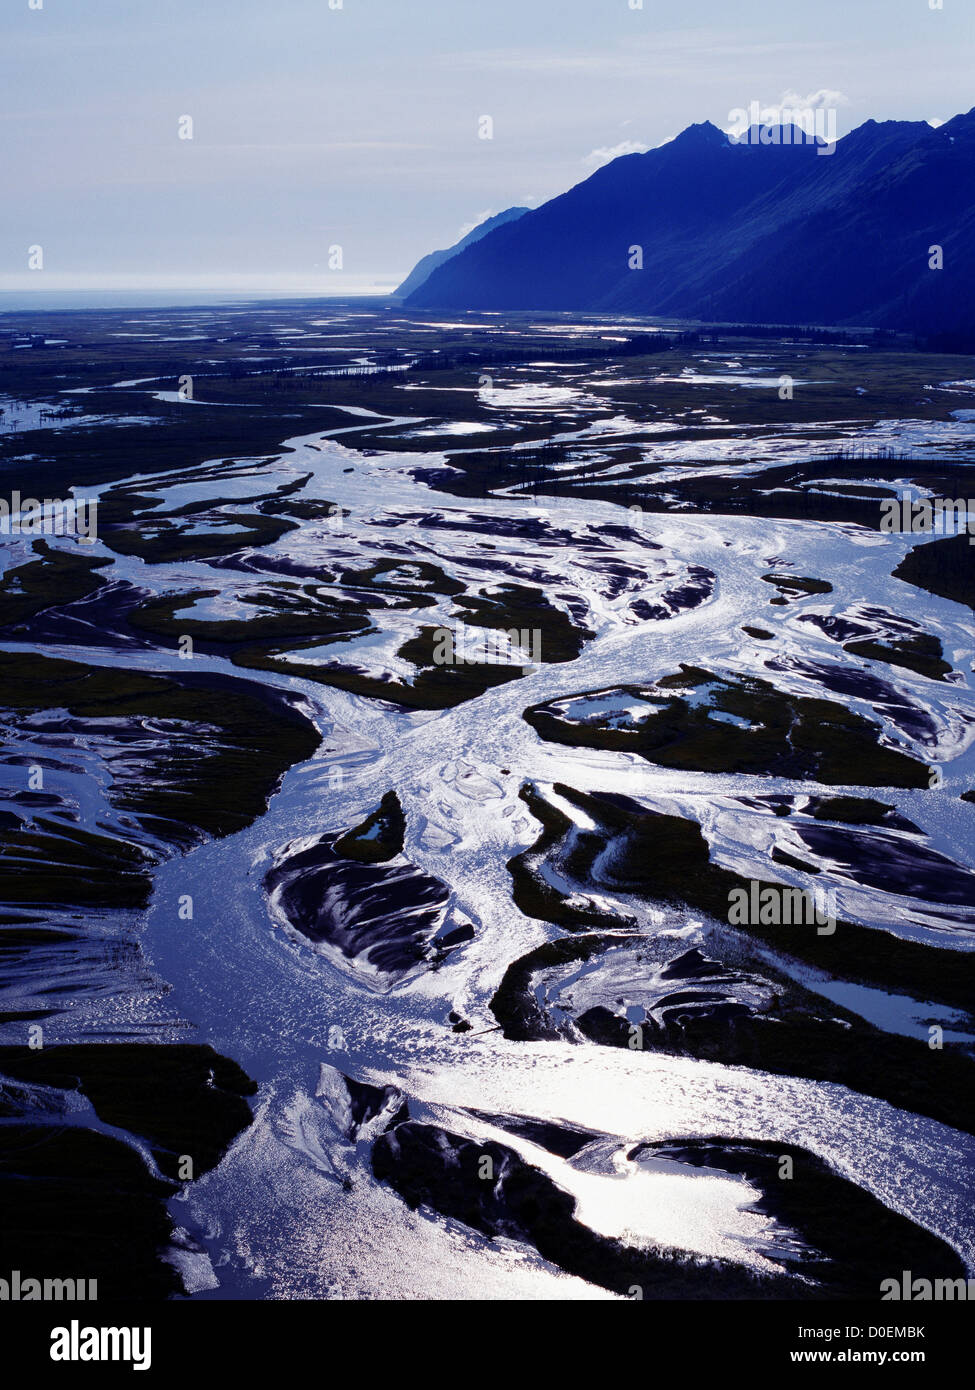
410 794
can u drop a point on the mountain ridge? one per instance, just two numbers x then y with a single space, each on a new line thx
739 230
427 264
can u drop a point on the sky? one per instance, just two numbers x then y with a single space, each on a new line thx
359 124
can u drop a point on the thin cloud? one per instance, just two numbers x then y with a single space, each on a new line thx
479 217
595 159
824 98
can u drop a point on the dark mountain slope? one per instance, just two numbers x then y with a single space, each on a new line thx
428 264
776 232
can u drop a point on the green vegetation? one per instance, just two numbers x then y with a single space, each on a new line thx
215 776
793 586
766 731
527 609
379 837
921 653
56 578
943 567
667 859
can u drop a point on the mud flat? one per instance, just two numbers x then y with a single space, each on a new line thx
700 721
238 701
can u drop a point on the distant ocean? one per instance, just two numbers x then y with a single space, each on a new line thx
57 301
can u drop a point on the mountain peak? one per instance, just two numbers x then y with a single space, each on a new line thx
702 134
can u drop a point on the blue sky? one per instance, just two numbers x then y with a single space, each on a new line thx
358 126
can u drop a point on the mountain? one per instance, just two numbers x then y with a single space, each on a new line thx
425 267
747 231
